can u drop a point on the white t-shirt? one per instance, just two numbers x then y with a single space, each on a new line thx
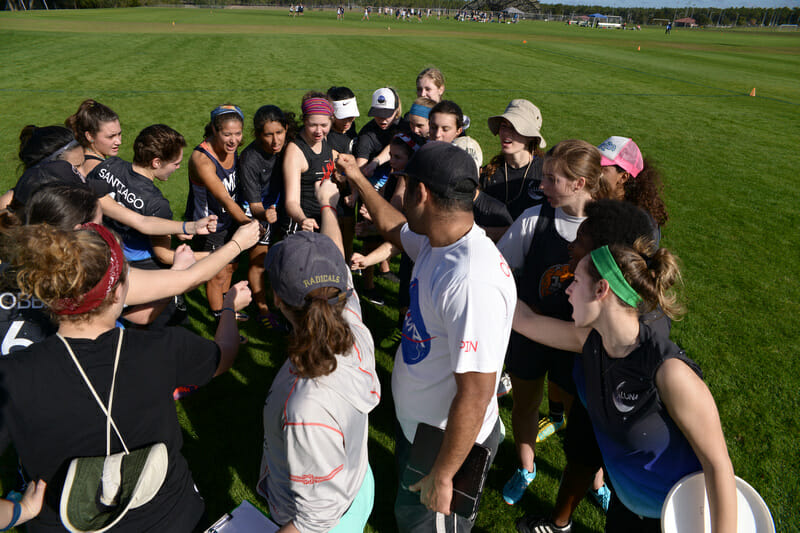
517 240
459 320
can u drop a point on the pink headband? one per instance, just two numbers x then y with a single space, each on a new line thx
97 294
317 106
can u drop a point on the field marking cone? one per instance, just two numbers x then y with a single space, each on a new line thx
638 48
753 92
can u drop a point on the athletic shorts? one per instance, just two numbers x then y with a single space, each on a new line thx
580 444
530 360
212 241
266 229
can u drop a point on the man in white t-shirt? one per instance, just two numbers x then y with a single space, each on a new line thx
457 327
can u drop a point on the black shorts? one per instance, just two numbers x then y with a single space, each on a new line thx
212 241
530 360
580 444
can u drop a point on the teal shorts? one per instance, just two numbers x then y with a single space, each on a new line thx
355 519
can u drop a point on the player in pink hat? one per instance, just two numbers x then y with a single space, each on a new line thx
628 176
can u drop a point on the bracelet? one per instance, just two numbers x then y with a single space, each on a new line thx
237 245
14 515
328 206
184 228
227 309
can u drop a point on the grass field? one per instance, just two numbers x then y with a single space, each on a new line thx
730 162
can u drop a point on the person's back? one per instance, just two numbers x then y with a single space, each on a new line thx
53 417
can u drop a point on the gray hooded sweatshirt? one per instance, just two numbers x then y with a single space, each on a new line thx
315 435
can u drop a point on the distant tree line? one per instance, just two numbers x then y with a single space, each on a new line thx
740 16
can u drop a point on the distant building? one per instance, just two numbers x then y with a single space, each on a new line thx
686 23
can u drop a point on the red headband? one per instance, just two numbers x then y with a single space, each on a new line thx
317 106
92 299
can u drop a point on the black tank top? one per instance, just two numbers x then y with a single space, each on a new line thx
320 166
545 277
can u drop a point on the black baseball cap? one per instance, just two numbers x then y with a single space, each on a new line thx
303 262
445 169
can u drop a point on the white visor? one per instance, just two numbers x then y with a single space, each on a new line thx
343 109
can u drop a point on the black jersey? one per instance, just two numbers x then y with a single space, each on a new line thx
517 188
343 142
23 319
490 212
644 451
320 166
261 175
51 416
136 192
544 281
372 139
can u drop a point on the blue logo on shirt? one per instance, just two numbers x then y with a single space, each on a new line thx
416 343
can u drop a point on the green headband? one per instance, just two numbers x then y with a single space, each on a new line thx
610 272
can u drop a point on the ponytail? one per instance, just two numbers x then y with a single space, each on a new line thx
652 272
321 334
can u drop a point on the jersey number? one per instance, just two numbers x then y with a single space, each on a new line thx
11 340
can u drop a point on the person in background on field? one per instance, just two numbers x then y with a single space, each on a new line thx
96 128
447 368
654 418
514 176
261 176
536 246
214 189
309 158
82 278
315 471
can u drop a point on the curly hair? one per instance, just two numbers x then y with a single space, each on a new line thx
645 191
53 264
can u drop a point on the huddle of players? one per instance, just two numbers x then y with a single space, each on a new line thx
260 184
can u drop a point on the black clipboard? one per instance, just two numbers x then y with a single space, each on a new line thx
467 483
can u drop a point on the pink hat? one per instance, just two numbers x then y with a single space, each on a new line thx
623 152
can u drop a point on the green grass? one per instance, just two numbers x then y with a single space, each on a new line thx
730 162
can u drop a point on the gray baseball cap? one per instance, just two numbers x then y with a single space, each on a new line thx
303 262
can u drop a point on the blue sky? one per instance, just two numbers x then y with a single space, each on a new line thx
701 4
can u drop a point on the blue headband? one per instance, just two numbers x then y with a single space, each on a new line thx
419 110
224 109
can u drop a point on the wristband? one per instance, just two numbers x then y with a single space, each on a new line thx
184 228
14 516
237 245
329 207
227 309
